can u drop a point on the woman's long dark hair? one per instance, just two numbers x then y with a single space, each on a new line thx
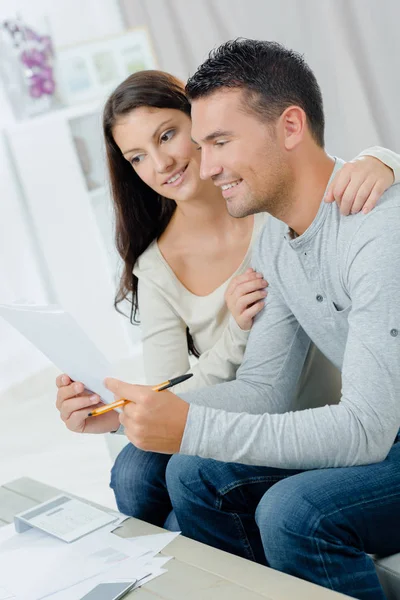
141 214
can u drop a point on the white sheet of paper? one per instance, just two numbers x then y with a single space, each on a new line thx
56 333
152 575
50 565
155 542
141 574
142 569
59 571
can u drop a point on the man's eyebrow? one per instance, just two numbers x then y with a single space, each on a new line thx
161 125
215 134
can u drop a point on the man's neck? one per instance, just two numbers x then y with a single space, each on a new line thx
311 176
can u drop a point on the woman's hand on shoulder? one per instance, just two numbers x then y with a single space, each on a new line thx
245 297
359 184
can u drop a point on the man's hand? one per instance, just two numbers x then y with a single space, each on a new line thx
359 184
153 421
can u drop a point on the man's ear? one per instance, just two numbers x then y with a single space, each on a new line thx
292 123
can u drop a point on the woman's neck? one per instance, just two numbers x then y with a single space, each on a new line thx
205 211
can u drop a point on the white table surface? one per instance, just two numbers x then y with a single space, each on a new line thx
197 572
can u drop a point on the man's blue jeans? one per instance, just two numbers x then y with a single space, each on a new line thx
318 525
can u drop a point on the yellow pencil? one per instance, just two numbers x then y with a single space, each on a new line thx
158 388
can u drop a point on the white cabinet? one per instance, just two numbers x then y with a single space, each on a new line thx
59 160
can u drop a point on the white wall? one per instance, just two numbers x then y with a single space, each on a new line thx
353 47
70 21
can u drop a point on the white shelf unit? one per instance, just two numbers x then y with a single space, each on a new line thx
64 184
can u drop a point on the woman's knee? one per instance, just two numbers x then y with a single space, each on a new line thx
179 471
137 478
137 466
187 476
124 467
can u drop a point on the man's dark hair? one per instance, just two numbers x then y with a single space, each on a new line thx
274 76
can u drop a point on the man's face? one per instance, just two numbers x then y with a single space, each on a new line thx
240 153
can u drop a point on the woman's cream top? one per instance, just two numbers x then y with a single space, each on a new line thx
167 307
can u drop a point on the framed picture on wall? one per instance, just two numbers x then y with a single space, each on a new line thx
93 69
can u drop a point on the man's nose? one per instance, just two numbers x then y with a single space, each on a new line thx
208 167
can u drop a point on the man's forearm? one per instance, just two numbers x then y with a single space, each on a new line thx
330 436
267 380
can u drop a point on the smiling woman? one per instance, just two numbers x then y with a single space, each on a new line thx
164 156
186 266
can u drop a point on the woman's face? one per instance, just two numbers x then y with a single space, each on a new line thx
158 145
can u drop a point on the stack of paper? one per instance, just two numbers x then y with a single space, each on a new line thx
36 566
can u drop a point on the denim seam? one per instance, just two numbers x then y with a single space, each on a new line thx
361 503
322 517
233 486
323 563
239 527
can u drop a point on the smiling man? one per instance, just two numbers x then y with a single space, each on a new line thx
311 492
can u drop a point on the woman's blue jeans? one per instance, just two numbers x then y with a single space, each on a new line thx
138 482
318 525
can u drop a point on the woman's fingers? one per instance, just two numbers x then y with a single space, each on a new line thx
338 186
62 380
361 196
373 198
68 407
253 310
244 291
249 275
363 180
69 391
249 299
75 402
349 196
248 287
74 390
77 421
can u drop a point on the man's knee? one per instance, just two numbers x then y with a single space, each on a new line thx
288 510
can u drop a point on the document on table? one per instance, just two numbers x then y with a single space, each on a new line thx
143 570
55 570
50 566
59 337
155 542
64 517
